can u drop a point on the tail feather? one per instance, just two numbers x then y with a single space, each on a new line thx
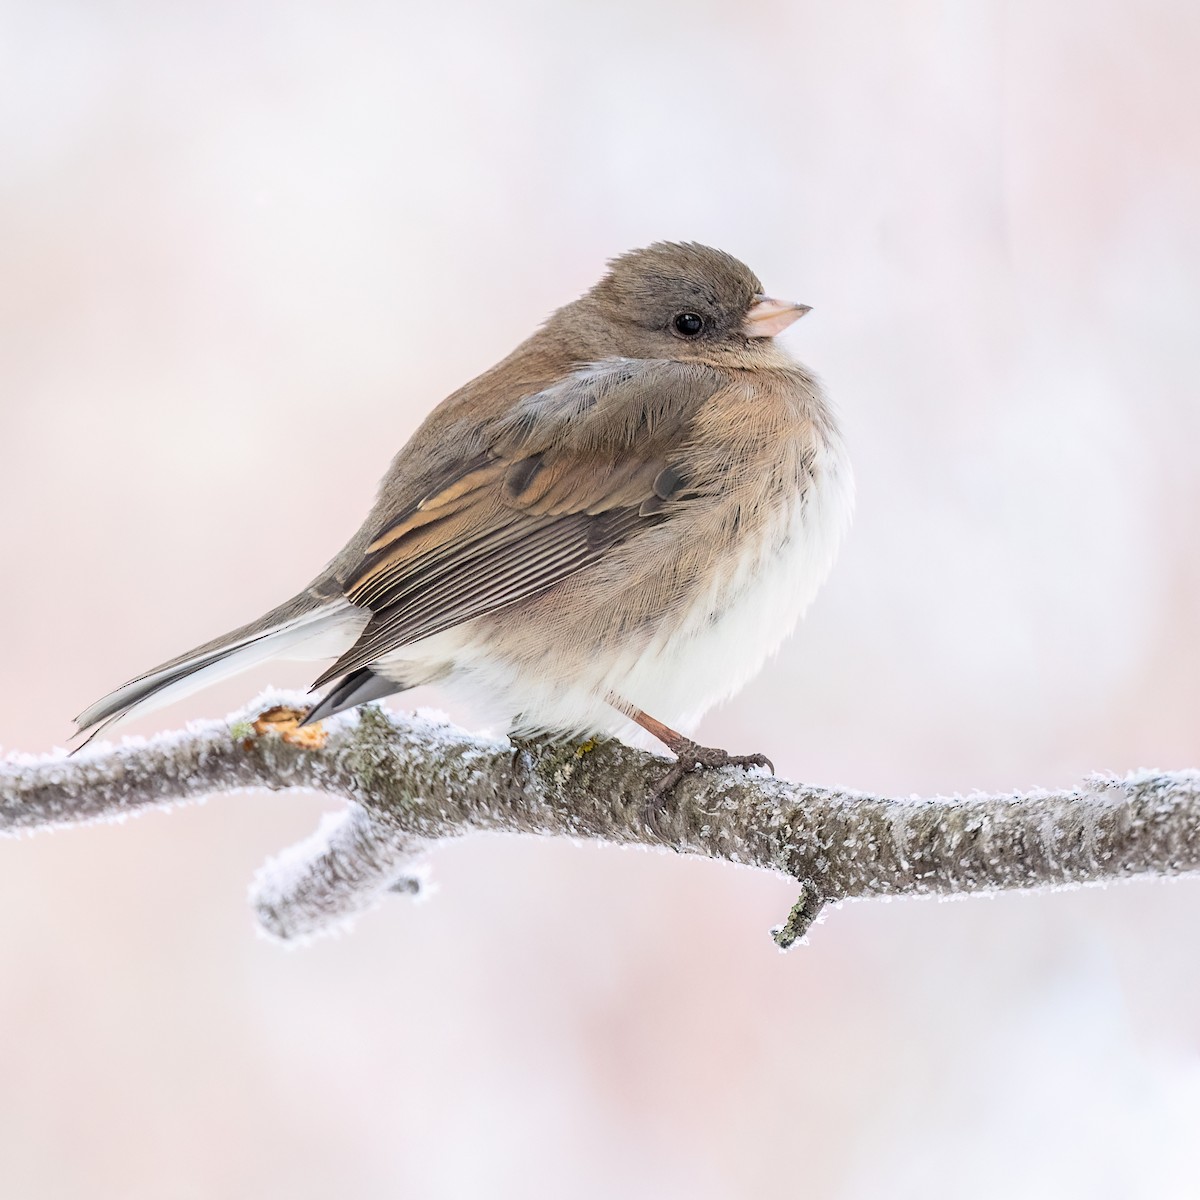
356 688
292 631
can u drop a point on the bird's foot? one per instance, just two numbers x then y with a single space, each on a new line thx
691 757
539 746
523 745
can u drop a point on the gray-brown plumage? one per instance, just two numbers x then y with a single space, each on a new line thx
623 517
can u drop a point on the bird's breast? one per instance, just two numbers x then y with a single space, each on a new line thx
761 586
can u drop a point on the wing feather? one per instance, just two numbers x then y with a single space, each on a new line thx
568 475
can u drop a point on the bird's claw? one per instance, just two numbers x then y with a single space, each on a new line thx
691 757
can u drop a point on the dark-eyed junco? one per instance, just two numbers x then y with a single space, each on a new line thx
618 522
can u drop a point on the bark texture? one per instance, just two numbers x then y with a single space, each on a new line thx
411 781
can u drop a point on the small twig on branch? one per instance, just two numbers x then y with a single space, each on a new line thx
411 781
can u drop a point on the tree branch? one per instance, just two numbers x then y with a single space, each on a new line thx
411 781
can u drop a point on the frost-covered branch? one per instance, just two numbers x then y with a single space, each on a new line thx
411 781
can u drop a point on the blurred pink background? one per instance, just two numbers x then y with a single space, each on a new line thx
247 246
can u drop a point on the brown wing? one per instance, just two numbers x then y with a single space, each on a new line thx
570 474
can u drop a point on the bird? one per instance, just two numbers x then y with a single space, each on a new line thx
611 529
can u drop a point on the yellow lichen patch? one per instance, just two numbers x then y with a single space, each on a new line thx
586 748
286 722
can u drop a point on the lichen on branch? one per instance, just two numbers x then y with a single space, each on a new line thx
411 781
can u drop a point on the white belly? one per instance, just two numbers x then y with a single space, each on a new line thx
729 634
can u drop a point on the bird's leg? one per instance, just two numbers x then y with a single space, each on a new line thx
690 756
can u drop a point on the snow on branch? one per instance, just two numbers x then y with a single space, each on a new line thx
411 781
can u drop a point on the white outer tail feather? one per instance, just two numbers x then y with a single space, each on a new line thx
323 633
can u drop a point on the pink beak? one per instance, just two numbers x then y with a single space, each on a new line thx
768 317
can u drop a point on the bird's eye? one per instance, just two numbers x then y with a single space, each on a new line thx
688 324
